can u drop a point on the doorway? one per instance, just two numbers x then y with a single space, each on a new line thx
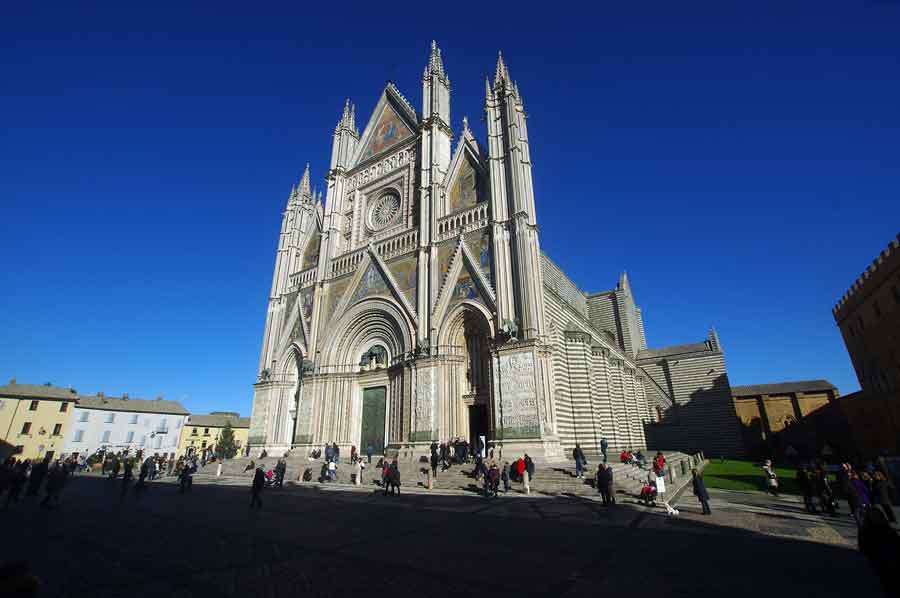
478 425
373 412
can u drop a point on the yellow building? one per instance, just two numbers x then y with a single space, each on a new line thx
203 431
34 418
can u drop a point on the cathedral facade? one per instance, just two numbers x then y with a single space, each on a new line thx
415 304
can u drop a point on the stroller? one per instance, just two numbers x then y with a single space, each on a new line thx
648 495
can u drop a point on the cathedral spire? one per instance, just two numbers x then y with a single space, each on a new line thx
436 88
348 117
303 187
502 73
435 66
345 138
292 196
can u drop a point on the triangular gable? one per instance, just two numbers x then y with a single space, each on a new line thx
406 273
479 243
311 252
305 303
373 279
295 329
372 284
466 177
392 122
464 281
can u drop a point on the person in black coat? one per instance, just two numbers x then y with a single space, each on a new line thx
580 461
38 473
881 545
280 470
700 490
604 483
882 495
259 482
394 477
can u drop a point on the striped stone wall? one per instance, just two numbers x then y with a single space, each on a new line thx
703 416
599 391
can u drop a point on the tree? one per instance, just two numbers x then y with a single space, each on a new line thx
226 442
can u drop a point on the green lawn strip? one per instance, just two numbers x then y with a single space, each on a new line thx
747 475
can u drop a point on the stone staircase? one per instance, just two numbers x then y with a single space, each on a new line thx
554 479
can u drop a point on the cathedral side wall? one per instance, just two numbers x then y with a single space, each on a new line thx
704 415
589 411
602 313
555 279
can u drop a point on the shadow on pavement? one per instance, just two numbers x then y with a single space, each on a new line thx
334 543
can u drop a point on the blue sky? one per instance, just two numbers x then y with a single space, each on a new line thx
742 163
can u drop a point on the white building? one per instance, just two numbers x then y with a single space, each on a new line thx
124 423
413 303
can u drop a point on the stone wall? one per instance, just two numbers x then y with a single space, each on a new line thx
703 415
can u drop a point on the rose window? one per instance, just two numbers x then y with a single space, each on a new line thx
384 212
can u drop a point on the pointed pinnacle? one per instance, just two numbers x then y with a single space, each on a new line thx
502 73
435 63
465 124
303 188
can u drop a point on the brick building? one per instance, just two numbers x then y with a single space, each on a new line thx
868 316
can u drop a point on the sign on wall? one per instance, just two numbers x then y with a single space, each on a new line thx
519 417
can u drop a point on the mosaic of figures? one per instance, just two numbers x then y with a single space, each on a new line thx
465 287
371 284
479 243
445 252
389 131
307 296
311 255
335 293
464 193
405 272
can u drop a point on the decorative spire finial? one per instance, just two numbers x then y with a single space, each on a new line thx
435 65
502 73
303 188
465 124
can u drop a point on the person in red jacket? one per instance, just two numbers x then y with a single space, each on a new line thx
520 467
522 470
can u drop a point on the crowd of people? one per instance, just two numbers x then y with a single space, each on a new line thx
862 487
48 475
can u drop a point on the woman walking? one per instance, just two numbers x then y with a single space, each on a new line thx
771 478
259 482
858 488
700 490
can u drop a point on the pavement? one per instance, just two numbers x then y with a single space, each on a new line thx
337 541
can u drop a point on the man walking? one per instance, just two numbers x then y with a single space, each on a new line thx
603 446
700 490
259 482
369 451
280 470
578 455
434 464
127 476
603 474
529 469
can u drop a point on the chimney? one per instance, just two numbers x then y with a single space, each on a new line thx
159 397
100 393
124 396
12 381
